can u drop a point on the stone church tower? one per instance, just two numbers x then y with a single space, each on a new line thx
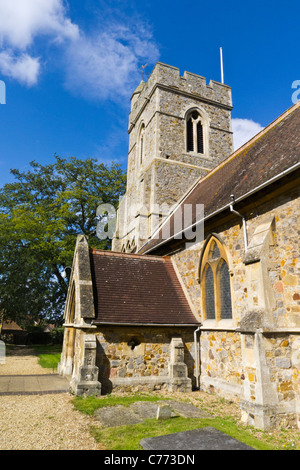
179 130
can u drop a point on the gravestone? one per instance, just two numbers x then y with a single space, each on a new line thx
163 412
119 415
198 439
2 353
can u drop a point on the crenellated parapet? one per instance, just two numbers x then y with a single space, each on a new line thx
164 75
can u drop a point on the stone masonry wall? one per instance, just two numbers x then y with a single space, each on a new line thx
172 180
221 363
264 364
283 361
217 123
138 358
284 263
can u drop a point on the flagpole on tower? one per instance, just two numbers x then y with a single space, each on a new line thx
221 60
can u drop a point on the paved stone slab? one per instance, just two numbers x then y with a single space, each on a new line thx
198 439
33 384
144 409
187 410
111 416
16 384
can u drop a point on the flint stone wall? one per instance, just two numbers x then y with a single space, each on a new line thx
133 358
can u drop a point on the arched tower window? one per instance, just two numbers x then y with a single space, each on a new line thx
141 146
215 282
194 133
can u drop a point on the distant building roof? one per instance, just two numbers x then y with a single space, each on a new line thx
270 155
134 289
11 326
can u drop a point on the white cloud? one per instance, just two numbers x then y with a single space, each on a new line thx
99 65
243 131
108 64
20 23
23 68
22 20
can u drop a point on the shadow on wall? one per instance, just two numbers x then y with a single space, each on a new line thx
103 364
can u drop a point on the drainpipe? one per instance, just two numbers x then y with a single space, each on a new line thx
196 357
244 222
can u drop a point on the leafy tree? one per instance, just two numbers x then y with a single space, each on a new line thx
41 213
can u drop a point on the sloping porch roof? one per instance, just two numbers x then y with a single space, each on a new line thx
137 289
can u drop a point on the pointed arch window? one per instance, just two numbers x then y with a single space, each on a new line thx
194 133
225 294
141 149
215 282
209 293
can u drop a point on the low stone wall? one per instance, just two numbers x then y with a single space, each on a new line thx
139 358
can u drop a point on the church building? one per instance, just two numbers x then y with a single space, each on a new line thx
201 288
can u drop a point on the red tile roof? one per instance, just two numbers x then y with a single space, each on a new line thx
268 155
11 326
135 289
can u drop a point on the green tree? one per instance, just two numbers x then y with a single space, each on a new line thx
41 213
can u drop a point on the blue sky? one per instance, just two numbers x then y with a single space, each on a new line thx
70 68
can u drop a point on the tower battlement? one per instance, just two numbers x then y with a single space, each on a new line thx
189 84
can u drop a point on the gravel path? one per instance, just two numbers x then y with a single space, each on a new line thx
40 422
43 422
23 362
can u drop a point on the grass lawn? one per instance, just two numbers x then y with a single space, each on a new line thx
89 405
49 355
128 437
